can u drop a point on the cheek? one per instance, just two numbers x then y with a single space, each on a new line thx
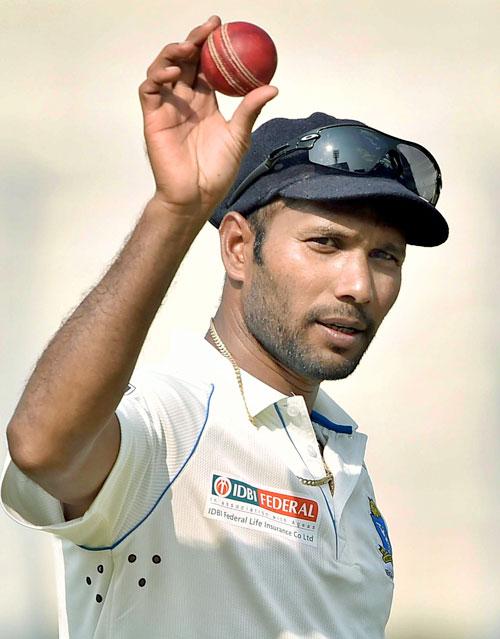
300 270
387 287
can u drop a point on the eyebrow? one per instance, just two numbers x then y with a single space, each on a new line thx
330 229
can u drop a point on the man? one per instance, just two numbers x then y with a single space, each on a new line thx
225 494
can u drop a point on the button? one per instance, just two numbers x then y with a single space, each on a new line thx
312 451
292 410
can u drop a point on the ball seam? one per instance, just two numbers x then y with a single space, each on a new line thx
233 56
232 82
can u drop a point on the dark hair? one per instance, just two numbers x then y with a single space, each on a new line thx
258 221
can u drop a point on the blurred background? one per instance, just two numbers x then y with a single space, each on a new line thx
74 178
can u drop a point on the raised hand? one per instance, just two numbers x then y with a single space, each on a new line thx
194 152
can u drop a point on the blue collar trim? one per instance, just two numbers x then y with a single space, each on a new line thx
324 421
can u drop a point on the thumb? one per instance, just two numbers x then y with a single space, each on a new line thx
248 110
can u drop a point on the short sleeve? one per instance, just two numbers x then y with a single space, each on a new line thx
160 418
130 483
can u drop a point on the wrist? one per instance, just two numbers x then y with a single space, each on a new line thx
181 222
197 212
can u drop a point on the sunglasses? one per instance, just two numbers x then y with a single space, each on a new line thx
350 149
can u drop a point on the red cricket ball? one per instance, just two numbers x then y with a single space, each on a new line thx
238 57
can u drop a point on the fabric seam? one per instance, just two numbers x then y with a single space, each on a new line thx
164 491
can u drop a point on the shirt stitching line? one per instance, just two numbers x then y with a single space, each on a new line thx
162 494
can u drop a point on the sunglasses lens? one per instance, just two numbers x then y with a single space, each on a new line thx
418 170
360 150
350 149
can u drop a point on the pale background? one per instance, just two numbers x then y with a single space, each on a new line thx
74 178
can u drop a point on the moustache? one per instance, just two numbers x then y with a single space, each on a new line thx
347 313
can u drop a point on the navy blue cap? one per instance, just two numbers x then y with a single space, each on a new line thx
419 220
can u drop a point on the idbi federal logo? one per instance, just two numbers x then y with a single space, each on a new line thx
222 486
288 505
237 502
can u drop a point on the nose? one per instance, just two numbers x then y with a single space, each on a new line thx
354 279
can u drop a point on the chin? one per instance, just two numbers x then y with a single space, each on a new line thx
326 370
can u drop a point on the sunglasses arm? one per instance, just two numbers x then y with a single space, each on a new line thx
303 144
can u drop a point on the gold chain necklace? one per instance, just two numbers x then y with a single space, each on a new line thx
328 478
222 348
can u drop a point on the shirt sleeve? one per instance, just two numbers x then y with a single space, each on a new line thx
137 478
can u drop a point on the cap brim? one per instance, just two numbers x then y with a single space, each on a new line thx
421 222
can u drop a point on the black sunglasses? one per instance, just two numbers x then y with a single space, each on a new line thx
359 150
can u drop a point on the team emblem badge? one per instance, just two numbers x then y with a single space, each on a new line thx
385 548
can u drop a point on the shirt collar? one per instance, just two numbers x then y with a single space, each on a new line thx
258 394
189 351
325 406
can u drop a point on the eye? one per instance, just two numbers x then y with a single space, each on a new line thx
385 255
329 242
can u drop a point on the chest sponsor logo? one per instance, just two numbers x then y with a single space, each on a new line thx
285 515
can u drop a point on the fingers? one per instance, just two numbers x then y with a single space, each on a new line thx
185 54
199 34
188 48
175 54
197 37
176 62
166 69
157 77
244 117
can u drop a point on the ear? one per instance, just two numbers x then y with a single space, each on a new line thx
236 245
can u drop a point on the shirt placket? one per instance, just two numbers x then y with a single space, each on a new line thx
344 455
299 429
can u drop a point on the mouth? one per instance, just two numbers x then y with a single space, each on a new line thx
343 326
342 334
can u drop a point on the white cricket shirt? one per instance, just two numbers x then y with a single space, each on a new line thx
203 528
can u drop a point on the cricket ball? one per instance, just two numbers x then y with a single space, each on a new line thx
238 57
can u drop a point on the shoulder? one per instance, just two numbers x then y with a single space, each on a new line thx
159 380
167 398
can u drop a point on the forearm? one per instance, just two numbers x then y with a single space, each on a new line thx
64 433
81 377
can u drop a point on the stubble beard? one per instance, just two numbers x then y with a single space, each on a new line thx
266 311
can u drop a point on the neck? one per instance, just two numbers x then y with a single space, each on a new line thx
252 358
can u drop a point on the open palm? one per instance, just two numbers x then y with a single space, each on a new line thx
194 152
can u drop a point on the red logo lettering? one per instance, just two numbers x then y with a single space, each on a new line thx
288 505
